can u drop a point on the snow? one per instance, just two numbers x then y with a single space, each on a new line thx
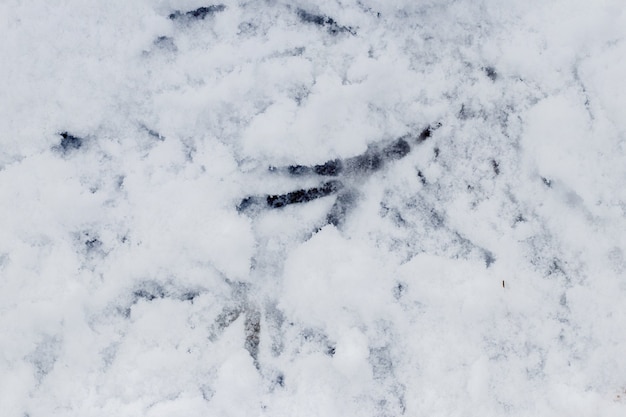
480 274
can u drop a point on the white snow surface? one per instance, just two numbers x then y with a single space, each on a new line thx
483 274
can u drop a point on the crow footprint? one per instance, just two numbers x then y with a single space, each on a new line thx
345 171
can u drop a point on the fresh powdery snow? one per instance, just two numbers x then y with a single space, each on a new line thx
313 208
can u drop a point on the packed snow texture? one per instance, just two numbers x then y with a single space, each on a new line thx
483 273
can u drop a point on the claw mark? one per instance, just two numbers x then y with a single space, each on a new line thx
383 370
149 291
489 258
225 319
45 356
496 166
69 142
420 174
199 13
398 149
547 182
165 43
252 320
252 329
427 133
153 133
320 20
491 73
319 340
344 203
330 169
399 290
303 196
